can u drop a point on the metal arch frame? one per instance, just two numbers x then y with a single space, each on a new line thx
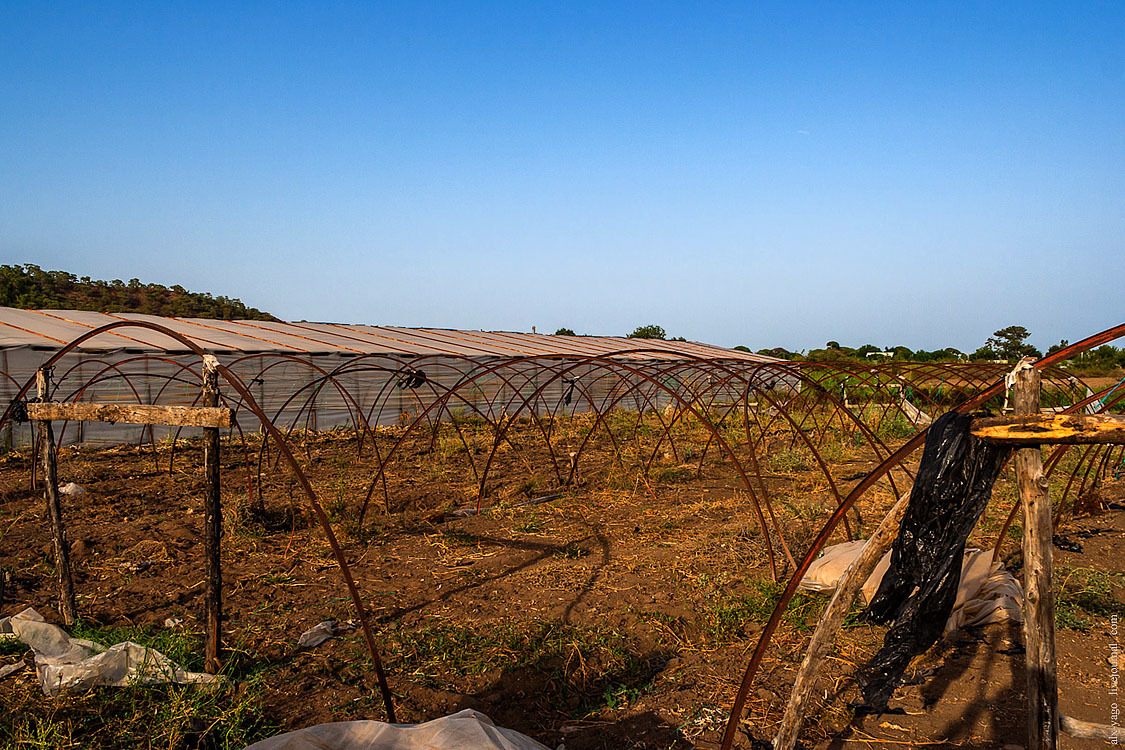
240 387
739 702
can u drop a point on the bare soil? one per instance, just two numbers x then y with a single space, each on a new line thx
619 614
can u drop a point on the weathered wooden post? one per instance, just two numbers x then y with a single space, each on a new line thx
54 508
1039 598
211 418
849 587
213 520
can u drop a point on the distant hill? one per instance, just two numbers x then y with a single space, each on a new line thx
31 288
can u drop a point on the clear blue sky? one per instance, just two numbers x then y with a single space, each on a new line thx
746 173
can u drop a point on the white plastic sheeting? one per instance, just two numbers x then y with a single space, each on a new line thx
987 592
323 631
65 663
325 391
464 730
337 375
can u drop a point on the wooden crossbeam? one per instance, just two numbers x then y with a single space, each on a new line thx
177 416
1064 429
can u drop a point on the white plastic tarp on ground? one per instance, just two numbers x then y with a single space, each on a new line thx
65 663
987 592
464 730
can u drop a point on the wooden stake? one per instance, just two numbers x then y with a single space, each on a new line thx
851 583
1039 602
54 508
213 520
1088 730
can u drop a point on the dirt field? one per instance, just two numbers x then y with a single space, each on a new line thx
618 614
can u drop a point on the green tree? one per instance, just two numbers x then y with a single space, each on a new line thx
647 332
565 332
1058 347
866 349
1010 343
29 287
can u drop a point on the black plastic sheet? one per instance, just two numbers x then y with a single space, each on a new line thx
952 488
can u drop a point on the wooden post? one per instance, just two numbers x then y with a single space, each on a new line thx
7 397
213 520
849 587
54 508
1039 601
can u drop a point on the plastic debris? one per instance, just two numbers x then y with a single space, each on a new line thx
65 663
1066 544
986 592
321 632
917 594
72 488
137 566
464 730
10 669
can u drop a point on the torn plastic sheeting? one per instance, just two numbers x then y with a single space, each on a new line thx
10 669
464 730
321 632
916 595
986 592
65 663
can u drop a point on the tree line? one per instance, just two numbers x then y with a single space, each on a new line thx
1005 345
29 287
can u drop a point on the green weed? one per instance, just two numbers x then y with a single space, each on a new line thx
727 616
11 647
675 474
786 461
1082 593
225 715
584 667
533 524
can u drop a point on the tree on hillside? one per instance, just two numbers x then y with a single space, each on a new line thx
29 287
647 332
866 349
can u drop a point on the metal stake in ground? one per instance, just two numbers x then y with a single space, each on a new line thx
54 508
1039 601
213 520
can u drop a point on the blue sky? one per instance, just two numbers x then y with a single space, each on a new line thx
767 174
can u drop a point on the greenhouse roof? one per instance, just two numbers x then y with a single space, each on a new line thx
53 329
